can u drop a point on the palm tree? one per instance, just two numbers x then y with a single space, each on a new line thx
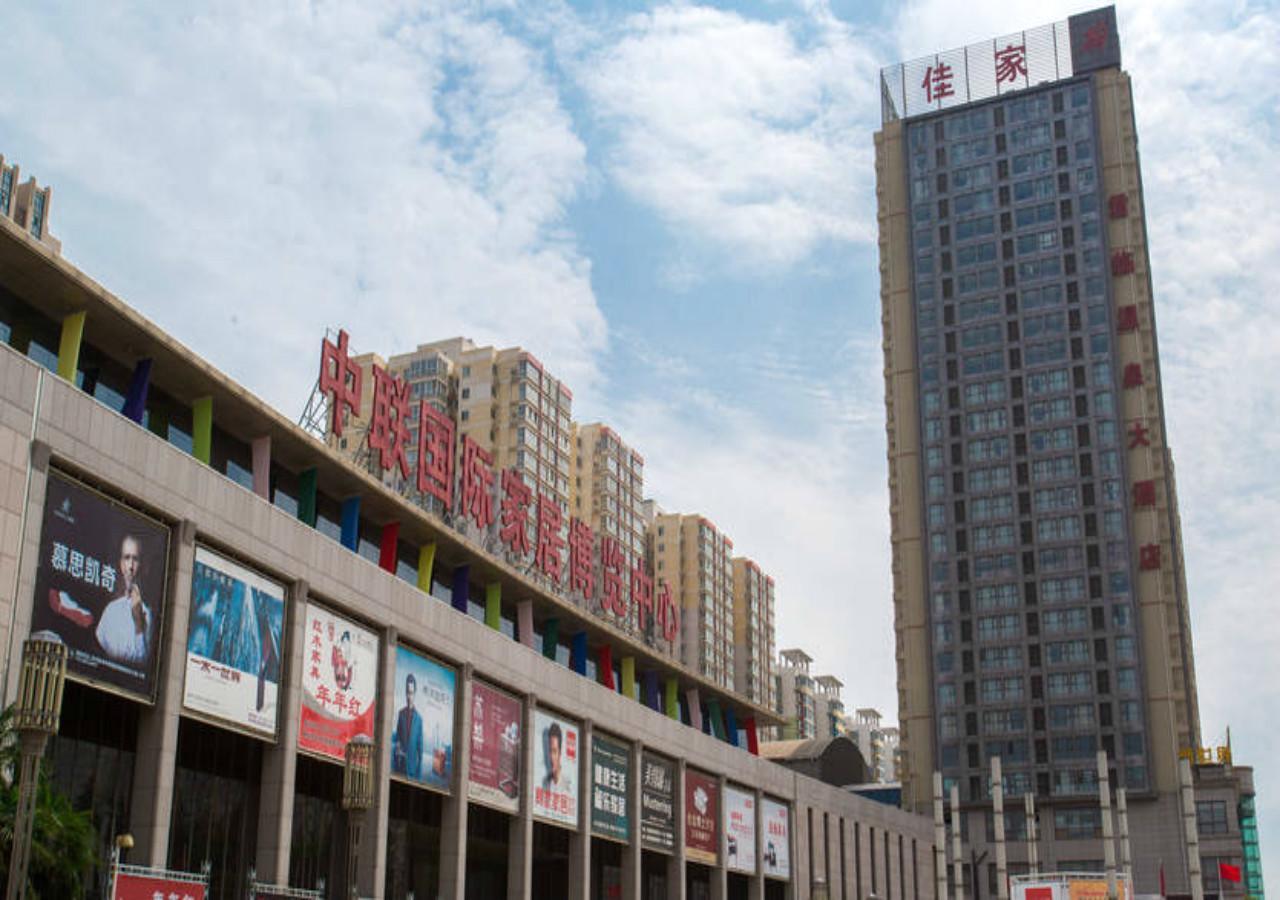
62 843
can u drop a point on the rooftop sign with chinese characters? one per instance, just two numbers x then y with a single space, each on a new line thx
1000 66
497 510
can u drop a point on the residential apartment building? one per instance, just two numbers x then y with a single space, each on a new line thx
1039 596
1227 826
753 632
877 742
503 400
27 205
795 696
828 707
695 559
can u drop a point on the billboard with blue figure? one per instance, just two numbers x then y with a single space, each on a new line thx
234 644
422 734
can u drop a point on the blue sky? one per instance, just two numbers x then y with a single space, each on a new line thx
673 207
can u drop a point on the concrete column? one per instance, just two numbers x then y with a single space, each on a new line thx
850 857
957 856
720 872
580 843
1108 835
372 867
755 886
453 819
280 760
676 863
158 725
801 874
939 839
261 449
1191 830
831 855
631 853
520 843
1002 857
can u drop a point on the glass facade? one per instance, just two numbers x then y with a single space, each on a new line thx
1028 549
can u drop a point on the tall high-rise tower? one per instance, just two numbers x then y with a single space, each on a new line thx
1039 599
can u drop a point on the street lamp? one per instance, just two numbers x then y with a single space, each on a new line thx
35 717
357 798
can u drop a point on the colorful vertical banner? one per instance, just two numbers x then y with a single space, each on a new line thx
100 586
777 838
739 830
495 748
422 729
657 803
610 788
701 817
339 683
555 759
234 643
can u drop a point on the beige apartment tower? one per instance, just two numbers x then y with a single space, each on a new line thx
1040 604
27 205
753 631
696 560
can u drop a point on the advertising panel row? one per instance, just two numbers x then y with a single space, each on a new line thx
100 589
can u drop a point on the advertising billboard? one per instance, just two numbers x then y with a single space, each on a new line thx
555 768
776 833
339 683
495 748
701 817
100 586
610 788
657 803
145 885
422 734
739 830
234 644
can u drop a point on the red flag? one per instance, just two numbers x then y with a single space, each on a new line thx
1229 872
1162 892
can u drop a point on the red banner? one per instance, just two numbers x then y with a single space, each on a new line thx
701 817
134 886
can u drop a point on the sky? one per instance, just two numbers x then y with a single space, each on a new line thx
673 207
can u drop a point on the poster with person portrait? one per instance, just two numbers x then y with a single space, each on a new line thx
555 769
494 754
339 683
234 640
776 820
739 830
422 724
100 586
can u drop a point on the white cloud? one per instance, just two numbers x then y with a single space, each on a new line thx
266 171
748 137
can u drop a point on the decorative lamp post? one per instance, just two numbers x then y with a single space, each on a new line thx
35 716
357 798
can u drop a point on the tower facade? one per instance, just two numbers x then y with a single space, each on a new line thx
1039 600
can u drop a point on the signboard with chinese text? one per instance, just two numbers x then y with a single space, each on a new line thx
339 683
422 727
776 834
701 817
497 510
610 788
100 586
495 748
555 769
740 830
1001 65
1091 889
140 885
657 803
234 643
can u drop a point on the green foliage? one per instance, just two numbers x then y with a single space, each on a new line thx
62 845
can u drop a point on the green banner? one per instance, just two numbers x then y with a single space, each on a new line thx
610 789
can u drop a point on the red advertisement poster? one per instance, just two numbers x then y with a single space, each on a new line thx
701 817
495 748
339 681
135 886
